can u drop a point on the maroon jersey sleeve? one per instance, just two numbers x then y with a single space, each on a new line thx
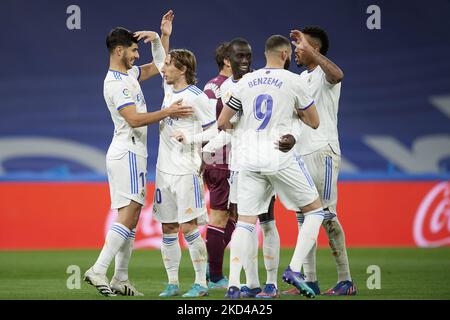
212 90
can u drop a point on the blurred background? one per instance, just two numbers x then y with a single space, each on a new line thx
394 113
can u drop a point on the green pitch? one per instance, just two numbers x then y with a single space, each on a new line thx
405 274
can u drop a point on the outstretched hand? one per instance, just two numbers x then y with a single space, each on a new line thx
166 23
300 42
146 35
178 110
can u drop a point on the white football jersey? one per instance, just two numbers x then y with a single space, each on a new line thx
326 97
227 88
121 90
268 99
174 157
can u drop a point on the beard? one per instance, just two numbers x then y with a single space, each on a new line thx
125 62
287 63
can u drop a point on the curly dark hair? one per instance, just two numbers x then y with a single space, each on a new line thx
319 34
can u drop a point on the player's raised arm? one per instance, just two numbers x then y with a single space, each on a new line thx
333 73
166 29
150 69
136 119
160 46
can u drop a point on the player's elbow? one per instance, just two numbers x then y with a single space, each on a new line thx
314 123
336 77
340 76
221 123
134 122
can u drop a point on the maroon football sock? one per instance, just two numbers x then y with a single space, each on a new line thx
215 246
231 225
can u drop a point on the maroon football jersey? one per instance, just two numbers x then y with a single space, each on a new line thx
212 90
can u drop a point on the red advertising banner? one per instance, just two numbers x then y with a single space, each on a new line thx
77 215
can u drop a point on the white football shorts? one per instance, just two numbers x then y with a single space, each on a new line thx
233 181
127 177
179 198
323 166
293 186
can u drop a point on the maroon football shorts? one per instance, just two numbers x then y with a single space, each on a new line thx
219 188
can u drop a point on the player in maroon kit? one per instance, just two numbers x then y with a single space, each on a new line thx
216 175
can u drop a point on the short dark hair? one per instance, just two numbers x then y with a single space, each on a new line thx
276 41
119 36
185 58
237 41
319 34
221 54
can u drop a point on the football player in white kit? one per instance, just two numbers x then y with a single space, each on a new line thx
320 150
179 200
270 100
126 160
240 56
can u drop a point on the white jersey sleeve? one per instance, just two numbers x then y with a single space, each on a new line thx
203 110
303 99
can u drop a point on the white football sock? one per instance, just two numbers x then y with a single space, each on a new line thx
235 258
115 238
336 238
171 255
245 249
309 265
251 269
199 255
271 250
307 238
123 258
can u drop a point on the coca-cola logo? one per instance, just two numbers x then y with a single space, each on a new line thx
432 221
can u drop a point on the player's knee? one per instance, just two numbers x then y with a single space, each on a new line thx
188 227
168 228
316 204
248 219
219 218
